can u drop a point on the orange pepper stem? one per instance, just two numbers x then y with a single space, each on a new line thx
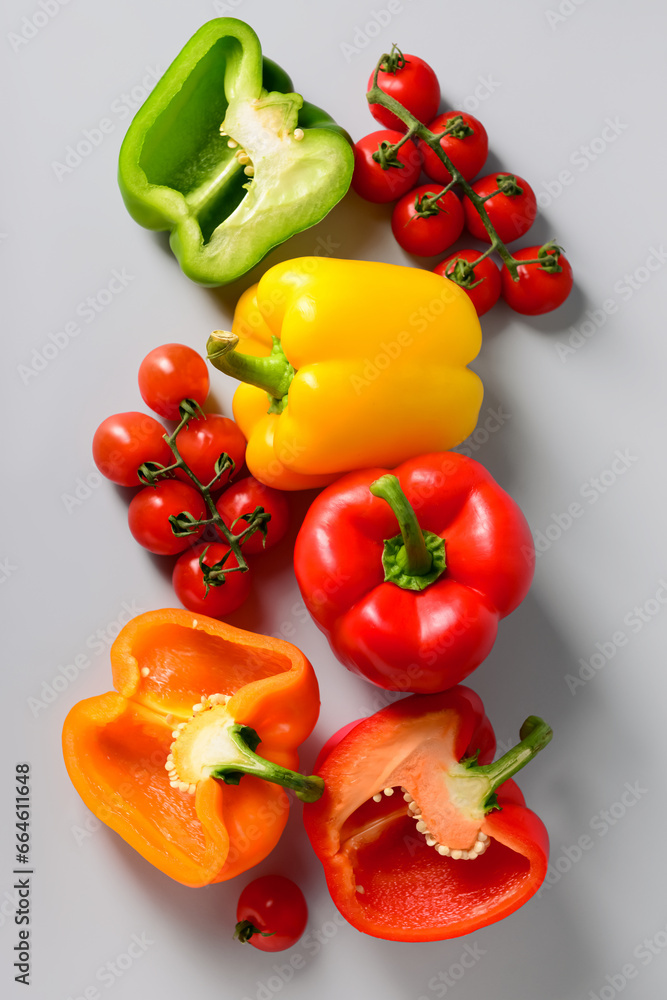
534 735
246 740
415 558
274 373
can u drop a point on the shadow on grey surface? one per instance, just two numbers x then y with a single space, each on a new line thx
354 223
525 674
349 227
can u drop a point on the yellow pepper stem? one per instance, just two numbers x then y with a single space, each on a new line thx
274 373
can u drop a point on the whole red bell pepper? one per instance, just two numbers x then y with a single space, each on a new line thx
420 837
408 574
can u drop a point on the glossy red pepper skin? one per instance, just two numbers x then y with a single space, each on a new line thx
381 874
405 640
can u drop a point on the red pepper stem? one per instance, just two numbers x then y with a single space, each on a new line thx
274 373
414 559
417 560
535 734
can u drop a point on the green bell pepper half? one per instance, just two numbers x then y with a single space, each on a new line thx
178 172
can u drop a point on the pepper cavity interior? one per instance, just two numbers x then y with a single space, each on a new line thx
479 845
477 848
199 743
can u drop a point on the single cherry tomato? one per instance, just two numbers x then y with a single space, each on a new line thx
149 512
273 906
203 441
242 498
468 153
379 185
125 441
481 285
427 235
190 587
539 289
413 83
170 374
511 214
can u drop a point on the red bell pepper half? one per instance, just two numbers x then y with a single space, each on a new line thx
420 837
408 574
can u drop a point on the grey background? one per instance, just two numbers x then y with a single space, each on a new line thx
544 77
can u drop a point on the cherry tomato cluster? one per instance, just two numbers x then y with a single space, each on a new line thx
428 219
187 505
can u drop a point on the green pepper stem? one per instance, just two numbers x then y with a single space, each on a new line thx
274 373
418 560
307 788
535 734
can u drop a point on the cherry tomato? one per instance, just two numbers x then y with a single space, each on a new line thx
188 582
427 235
275 906
170 374
125 441
242 498
511 215
483 295
373 183
413 84
468 154
149 511
538 290
203 441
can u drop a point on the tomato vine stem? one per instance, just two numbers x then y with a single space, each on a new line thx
432 139
184 524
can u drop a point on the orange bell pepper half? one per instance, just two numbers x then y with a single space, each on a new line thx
160 759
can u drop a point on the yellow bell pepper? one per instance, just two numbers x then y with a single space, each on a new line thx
349 365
